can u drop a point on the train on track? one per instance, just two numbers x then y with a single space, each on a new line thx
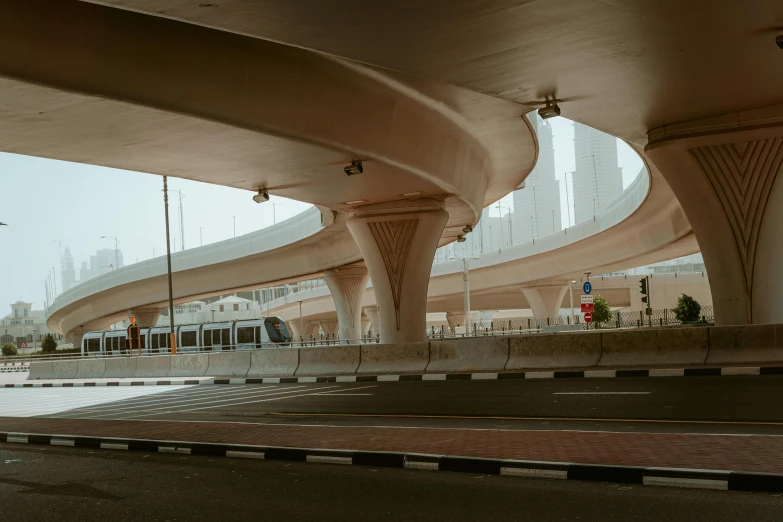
269 332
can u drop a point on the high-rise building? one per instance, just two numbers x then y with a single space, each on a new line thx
68 273
597 179
104 261
537 205
84 272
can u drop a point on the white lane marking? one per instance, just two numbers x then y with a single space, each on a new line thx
343 394
29 402
234 404
188 397
740 371
602 393
176 404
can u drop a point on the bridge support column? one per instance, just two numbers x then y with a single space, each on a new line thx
372 314
726 174
347 286
455 319
145 317
545 301
329 327
398 242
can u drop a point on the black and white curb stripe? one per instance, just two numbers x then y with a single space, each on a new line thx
647 476
555 374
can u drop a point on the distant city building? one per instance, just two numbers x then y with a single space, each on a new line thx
597 179
104 261
67 270
24 325
537 205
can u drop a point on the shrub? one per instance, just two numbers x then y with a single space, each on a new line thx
601 313
48 345
9 349
688 310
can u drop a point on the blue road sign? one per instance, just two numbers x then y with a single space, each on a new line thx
587 287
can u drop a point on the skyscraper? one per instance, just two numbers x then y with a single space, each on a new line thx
67 270
537 206
597 179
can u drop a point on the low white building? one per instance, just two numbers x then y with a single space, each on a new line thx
25 326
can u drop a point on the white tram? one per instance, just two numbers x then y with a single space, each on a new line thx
250 334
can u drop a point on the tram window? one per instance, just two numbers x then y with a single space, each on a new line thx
258 336
207 336
188 339
277 330
164 340
226 336
245 335
154 343
93 345
143 341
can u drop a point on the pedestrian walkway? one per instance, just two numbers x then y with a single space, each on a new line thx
714 452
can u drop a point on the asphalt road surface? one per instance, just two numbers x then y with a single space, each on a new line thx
66 484
728 404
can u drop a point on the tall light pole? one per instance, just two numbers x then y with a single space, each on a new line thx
568 205
116 250
301 324
465 289
34 330
571 293
274 213
172 336
181 222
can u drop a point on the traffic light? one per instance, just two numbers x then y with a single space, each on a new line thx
644 290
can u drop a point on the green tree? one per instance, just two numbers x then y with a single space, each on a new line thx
48 345
688 310
9 349
601 313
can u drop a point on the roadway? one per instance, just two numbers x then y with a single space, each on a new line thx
719 404
38 481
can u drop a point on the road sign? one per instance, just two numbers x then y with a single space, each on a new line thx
588 299
588 317
587 287
23 345
588 307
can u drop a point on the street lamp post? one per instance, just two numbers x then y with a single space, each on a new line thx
34 330
466 289
116 249
172 337
571 295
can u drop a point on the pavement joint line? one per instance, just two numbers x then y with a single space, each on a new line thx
648 476
531 374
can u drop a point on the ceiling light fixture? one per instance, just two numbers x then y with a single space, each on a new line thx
461 239
355 202
411 194
262 196
354 168
779 40
550 110
468 229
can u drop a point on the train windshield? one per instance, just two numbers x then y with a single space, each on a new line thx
277 330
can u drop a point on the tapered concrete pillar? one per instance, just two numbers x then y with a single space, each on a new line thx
455 319
145 317
398 242
365 326
545 301
328 327
372 314
313 329
726 174
347 286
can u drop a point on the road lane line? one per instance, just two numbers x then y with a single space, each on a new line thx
601 393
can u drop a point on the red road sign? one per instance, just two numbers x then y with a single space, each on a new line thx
588 317
588 307
23 345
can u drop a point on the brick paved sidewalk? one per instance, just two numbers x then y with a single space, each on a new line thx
717 452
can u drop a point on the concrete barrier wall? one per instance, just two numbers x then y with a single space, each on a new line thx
189 365
394 358
40 370
654 347
120 367
575 350
229 364
273 362
736 344
64 369
487 354
91 368
329 360
154 366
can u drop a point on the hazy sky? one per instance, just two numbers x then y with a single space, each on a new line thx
46 202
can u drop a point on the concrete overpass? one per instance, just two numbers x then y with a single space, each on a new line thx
280 96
